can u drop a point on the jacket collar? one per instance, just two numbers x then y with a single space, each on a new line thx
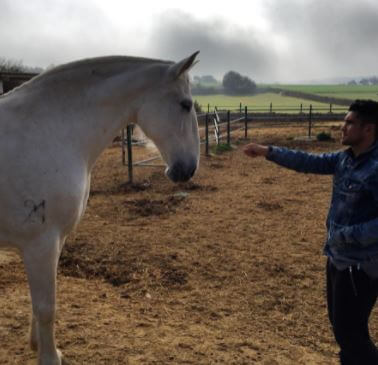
362 156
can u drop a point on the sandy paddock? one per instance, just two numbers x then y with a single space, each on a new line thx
226 269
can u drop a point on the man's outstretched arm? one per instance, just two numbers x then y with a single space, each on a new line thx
300 161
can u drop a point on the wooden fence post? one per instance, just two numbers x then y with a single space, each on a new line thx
129 154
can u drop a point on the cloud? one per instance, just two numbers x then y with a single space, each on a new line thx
223 46
290 40
327 38
304 40
44 33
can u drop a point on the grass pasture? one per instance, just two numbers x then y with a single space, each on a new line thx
281 103
351 92
260 102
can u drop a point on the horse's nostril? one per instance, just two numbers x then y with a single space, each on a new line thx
180 172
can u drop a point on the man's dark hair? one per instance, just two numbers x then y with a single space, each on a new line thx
367 111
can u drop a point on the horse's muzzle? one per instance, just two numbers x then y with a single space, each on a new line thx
181 172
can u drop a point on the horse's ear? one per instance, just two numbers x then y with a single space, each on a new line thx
177 69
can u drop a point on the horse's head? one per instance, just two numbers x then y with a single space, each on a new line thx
168 118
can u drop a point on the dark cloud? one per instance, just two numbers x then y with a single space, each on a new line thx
223 47
307 39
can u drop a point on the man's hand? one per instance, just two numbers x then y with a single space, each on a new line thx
256 150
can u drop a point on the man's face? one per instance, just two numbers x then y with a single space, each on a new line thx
353 132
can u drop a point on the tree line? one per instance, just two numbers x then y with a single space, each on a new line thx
233 83
7 65
365 81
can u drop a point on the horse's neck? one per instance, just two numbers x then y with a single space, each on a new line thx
109 105
102 130
83 115
114 105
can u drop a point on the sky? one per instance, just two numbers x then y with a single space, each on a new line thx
283 41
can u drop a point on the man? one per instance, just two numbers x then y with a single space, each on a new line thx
352 224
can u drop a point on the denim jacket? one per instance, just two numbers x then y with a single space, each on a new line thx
352 222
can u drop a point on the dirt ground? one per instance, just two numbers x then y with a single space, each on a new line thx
226 269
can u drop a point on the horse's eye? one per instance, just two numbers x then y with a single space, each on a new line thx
187 105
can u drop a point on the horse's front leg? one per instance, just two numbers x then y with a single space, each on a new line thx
34 334
41 260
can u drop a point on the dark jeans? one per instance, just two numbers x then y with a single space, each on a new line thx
351 297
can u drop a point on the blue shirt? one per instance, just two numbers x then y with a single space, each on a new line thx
352 222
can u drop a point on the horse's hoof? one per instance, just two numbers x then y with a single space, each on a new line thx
57 361
34 346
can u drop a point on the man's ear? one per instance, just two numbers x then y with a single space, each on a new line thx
375 130
371 128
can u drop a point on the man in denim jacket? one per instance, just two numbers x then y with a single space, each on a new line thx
352 225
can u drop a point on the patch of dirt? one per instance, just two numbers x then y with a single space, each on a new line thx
269 205
146 207
226 269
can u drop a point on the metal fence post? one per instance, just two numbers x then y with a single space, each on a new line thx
310 121
228 128
245 122
129 154
123 146
207 134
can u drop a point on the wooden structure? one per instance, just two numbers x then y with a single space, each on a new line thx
10 80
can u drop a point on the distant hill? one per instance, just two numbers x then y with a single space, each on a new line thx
333 80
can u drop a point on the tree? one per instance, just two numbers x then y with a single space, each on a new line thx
10 66
364 81
197 79
209 79
7 65
236 84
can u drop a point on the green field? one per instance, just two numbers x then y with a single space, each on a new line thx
261 102
339 91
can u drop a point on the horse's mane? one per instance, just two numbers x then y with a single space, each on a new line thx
101 66
107 63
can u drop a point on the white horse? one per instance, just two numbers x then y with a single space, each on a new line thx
52 130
